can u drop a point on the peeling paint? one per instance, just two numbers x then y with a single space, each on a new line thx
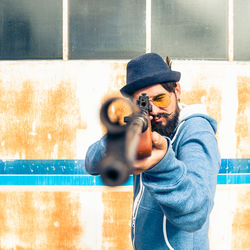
117 214
40 220
243 118
35 121
241 222
50 110
204 94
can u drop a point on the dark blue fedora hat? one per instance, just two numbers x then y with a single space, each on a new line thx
147 70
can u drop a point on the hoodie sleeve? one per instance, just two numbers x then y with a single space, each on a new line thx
94 154
183 183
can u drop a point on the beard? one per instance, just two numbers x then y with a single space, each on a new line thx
168 129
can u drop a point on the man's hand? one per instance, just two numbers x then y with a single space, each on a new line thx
160 146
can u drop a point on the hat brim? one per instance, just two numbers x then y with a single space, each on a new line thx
160 77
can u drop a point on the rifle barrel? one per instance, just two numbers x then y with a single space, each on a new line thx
122 141
134 131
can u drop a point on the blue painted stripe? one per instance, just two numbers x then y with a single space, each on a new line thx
72 172
59 180
233 179
76 167
87 180
66 180
235 166
39 167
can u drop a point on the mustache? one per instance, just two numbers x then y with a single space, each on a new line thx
165 115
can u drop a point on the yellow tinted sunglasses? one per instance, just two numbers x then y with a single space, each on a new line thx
161 100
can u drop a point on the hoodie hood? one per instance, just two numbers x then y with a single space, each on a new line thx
196 110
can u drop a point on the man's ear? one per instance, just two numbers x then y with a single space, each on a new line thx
178 90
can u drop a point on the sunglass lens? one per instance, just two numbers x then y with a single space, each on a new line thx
161 101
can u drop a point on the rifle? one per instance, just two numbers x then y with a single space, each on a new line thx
126 140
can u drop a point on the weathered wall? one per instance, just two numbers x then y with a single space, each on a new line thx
50 111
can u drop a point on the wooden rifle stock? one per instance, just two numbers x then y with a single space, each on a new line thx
144 147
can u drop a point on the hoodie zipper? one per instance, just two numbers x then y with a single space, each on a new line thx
136 207
138 201
165 217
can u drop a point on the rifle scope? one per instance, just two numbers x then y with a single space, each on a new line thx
113 113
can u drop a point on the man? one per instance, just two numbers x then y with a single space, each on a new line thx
174 187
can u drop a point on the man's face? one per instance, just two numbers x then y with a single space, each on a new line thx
164 114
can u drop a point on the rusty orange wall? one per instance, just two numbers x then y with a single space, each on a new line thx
50 110
65 218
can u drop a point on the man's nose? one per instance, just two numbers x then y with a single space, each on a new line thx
155 109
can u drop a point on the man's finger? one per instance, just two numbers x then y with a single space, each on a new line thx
159 141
